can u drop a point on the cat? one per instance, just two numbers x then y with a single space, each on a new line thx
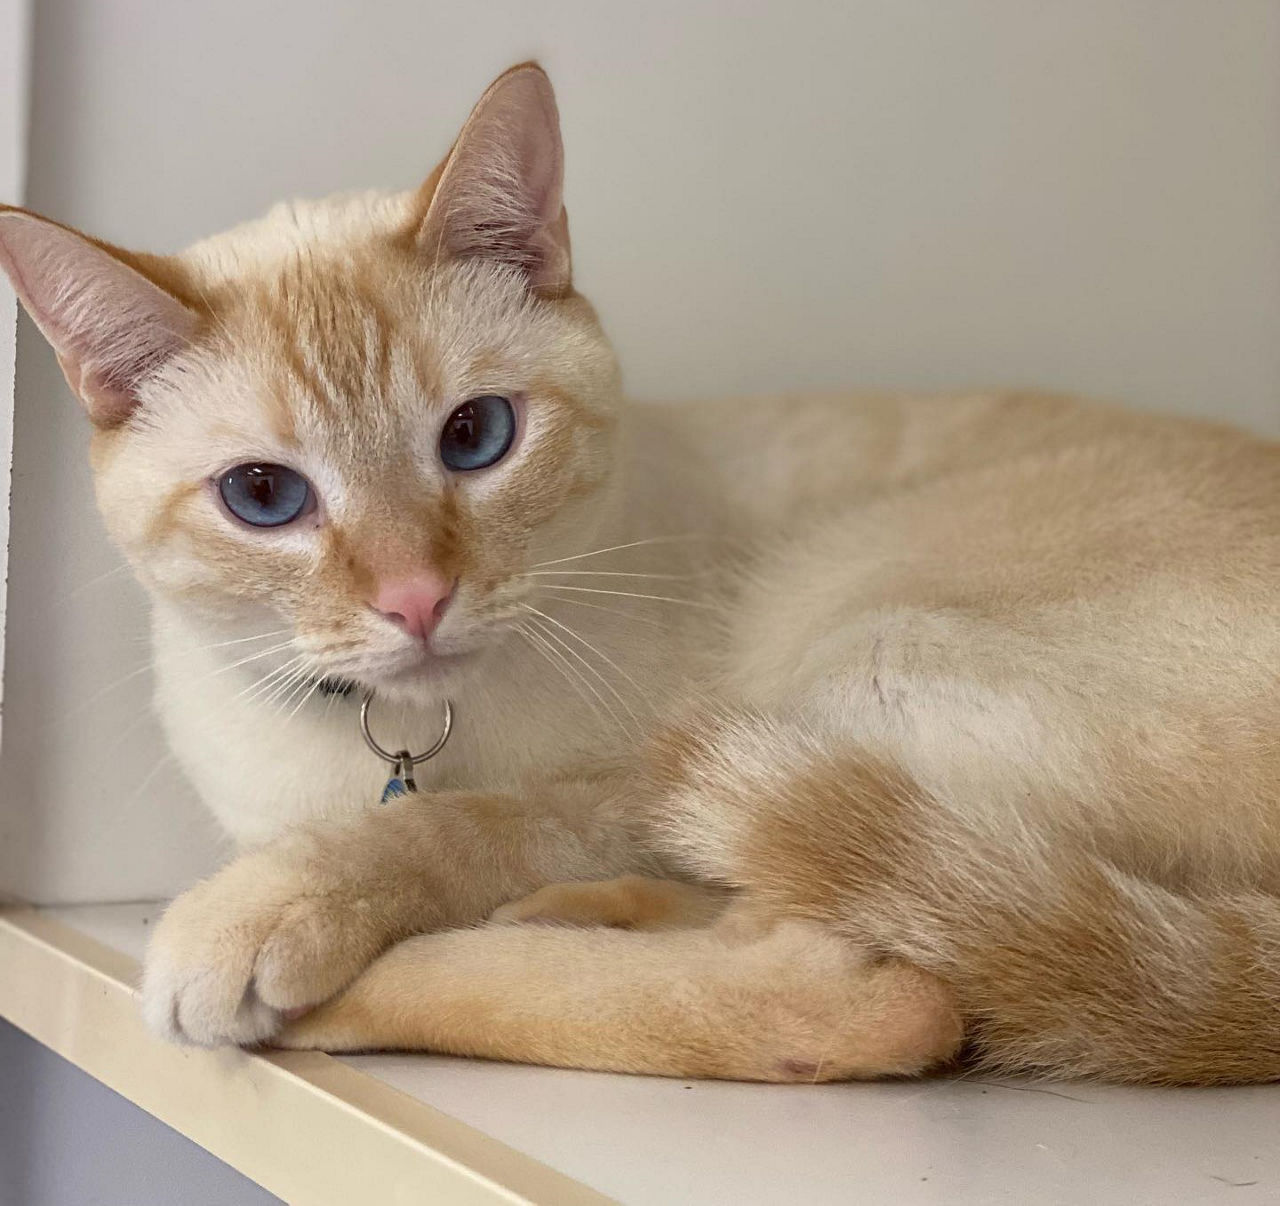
837 736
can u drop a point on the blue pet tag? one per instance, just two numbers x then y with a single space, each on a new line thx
402 781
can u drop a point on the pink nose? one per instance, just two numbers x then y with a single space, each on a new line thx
415 604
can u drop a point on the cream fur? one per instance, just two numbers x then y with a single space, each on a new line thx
973 699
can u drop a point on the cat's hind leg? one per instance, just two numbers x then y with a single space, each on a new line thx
743 999
1063 962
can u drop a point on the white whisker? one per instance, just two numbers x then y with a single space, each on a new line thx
253 657
602 574
141 670
285 686
149 778
572 675
76 591
598 652
315 686
259 685
541 646
627 594
112 686
600 678
634 544
261 636
611 611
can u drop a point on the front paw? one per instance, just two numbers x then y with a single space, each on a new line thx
273 933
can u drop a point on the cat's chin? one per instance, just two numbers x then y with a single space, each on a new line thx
426 680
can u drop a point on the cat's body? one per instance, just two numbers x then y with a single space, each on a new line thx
973 700
890 513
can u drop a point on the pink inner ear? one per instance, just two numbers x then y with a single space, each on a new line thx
526 115
501 193
110 326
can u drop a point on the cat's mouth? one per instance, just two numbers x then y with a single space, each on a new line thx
423 675
417 672
429 664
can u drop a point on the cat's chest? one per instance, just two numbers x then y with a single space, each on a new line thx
260 772
261 769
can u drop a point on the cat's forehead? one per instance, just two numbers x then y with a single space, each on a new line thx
335 346
346 343
298 229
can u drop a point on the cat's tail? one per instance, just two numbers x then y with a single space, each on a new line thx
1063 965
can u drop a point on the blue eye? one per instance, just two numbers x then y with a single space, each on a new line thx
264 496
478 433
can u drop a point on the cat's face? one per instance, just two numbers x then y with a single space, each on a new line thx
358 422
353 379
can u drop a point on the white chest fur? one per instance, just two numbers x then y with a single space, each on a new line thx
262 765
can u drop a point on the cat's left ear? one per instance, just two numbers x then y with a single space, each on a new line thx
498 195
106 312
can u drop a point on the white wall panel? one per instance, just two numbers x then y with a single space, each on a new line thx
15 20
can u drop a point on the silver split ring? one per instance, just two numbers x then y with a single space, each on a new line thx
401 757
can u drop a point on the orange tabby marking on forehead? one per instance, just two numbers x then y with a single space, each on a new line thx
385 326
428 372
270 322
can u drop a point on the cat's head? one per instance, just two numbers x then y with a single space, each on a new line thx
359 420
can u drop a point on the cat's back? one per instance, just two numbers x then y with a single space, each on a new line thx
1041 574
1068 524
778 460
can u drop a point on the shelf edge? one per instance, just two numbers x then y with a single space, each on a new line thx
305 1126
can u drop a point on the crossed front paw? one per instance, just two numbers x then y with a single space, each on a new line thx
270 935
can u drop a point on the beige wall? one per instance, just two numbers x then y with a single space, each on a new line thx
1076 193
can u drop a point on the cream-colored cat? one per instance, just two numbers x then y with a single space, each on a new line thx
971 703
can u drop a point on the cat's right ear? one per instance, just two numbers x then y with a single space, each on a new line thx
111 325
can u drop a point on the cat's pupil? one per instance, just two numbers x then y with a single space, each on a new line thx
463 425
262 487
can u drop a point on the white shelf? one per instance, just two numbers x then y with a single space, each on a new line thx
409 1127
